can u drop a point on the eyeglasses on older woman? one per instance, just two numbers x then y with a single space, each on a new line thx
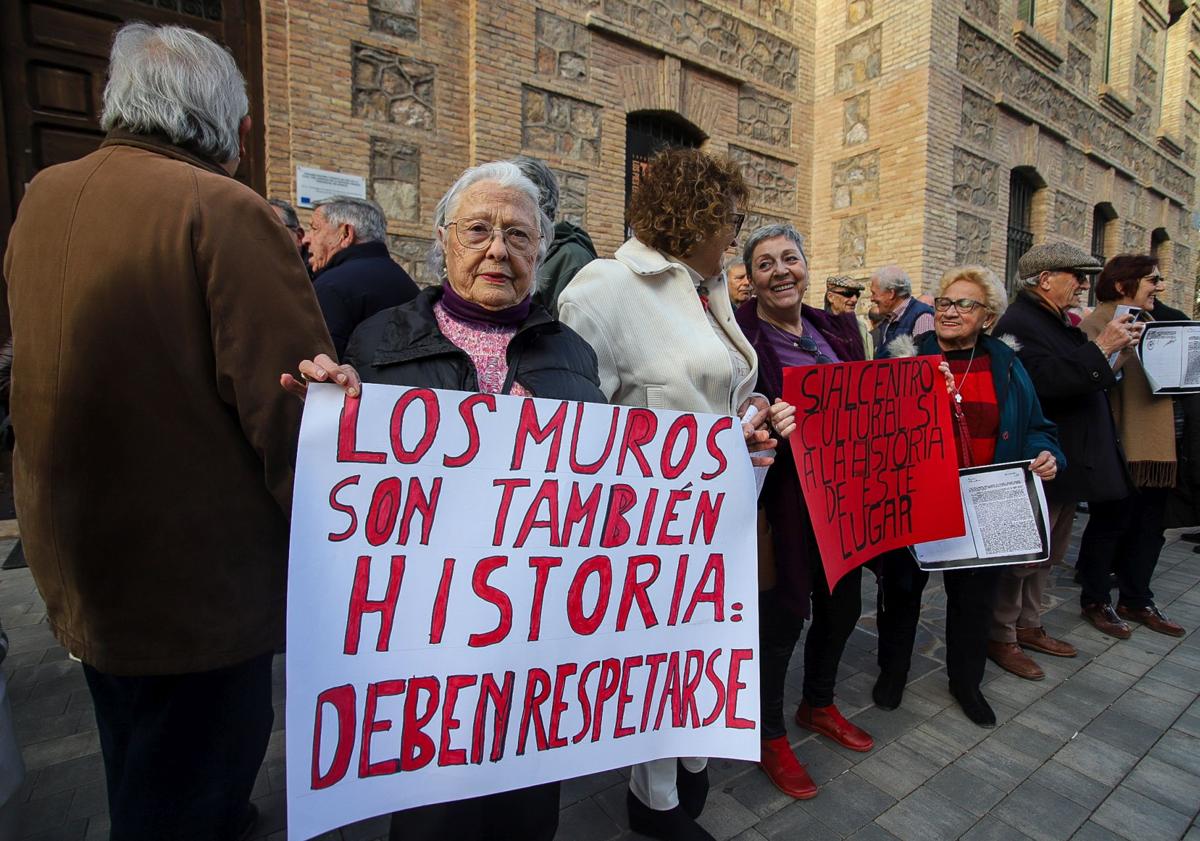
960 304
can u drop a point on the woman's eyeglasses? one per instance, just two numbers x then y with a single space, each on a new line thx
738 219
476 234
959 304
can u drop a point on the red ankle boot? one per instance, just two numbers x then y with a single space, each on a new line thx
829 722
785 771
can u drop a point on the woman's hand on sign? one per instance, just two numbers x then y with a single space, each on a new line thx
783 418
1045 467
755 413
944 367
322 369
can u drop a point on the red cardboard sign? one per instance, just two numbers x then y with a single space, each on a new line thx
874 447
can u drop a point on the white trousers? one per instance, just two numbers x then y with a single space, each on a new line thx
653 782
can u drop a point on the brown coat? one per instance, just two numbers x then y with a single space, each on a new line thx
155 302
1145 423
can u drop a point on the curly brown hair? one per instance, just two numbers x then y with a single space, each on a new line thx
684 197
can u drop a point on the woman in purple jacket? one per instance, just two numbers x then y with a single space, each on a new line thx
787 333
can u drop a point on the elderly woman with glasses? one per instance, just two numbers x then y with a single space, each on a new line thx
785 332
1125 536
478 331
997 418
661 322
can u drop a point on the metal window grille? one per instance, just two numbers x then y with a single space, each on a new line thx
1099 223
1020 235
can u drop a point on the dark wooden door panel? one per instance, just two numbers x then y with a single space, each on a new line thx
55 56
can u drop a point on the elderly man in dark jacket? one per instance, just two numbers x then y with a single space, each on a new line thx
1070 374
154 445
356 277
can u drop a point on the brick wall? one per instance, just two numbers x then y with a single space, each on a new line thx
885 129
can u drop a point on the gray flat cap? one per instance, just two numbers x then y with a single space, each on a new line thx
841 281
1056 257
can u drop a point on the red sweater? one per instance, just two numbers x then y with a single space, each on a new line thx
979 407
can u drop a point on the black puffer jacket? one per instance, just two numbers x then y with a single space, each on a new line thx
1071 376
403 346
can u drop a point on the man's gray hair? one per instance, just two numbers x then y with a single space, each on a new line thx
782 229
503 174
174 81
364 215
895 279
543 178
290 219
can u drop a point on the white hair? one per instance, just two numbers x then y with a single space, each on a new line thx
503 174
174 81
994 296
365 216
895 279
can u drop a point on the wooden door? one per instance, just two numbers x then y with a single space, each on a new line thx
55 57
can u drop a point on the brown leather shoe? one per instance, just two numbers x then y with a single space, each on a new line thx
1038 640
1152 618
1010 657
1106 621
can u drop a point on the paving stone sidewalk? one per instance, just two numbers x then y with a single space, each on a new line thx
1106 747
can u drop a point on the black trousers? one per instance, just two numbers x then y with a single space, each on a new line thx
1123 537
969 595
528 814
833 619
181 751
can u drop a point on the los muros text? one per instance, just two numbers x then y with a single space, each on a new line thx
461 719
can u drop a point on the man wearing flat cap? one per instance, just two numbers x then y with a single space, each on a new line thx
842 294
1070 374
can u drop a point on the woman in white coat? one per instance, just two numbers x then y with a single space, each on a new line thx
661 323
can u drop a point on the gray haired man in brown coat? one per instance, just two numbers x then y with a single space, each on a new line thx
154 302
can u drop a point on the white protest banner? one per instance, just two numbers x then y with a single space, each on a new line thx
489 592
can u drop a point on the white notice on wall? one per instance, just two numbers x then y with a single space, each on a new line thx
313 185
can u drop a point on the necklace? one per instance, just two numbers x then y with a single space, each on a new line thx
957 390
785 330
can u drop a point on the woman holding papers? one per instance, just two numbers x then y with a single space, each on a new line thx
997 419
478 331
788 333
1125 536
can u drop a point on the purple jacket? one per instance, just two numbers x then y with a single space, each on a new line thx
841 331
798 566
